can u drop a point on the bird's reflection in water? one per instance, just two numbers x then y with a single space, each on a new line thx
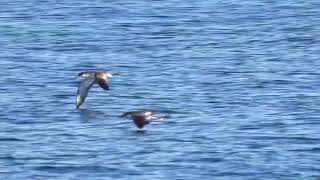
141 131
89 115
137 132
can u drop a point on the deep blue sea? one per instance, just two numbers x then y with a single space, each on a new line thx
240 80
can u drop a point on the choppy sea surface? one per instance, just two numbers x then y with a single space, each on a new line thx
240 80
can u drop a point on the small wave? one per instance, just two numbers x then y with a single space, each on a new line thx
11 139
71 168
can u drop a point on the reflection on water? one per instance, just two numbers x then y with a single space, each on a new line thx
87 115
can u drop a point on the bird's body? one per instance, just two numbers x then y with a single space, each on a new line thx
91 77
143 117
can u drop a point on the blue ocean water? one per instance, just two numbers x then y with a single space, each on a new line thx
240 80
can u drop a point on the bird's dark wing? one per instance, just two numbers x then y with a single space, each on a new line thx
103 83
83 90
139 121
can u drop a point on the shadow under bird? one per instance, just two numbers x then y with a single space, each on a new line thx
92 77
143 117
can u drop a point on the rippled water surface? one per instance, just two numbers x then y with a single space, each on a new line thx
240 80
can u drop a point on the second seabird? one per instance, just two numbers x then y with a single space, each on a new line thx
143 117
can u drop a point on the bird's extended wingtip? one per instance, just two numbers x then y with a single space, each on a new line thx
78 101
125 114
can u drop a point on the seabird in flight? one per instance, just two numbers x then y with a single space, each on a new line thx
92 77
143 117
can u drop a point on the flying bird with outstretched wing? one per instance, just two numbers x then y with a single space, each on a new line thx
92 77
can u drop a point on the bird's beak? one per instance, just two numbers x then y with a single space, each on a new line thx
115 74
